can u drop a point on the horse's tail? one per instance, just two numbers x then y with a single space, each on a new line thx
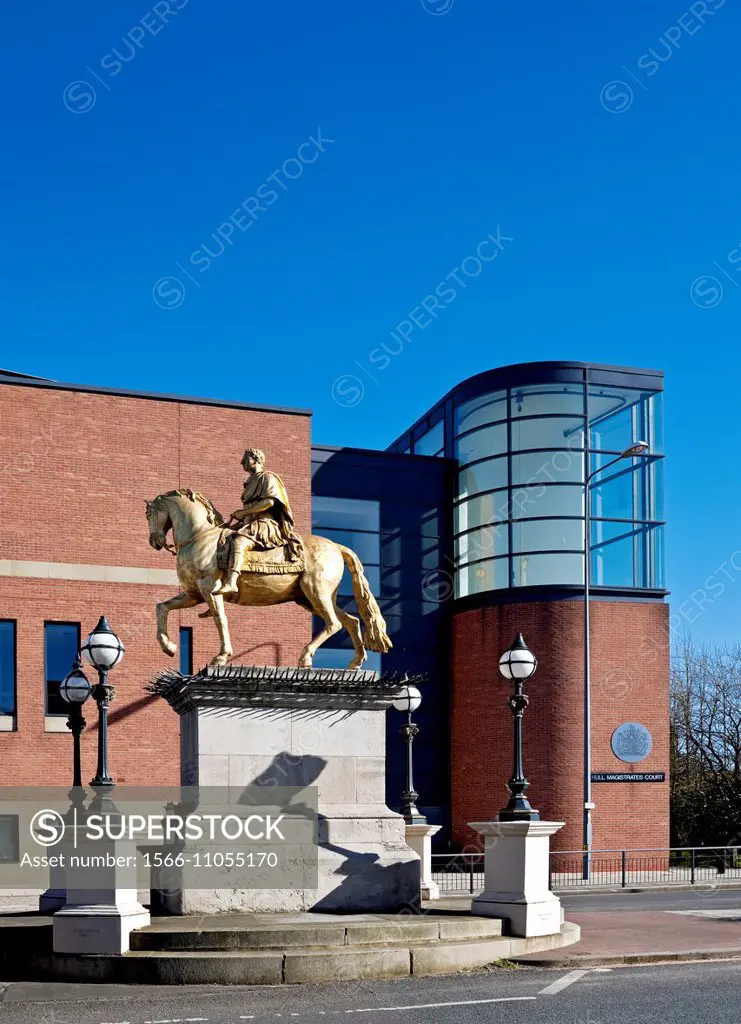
376 638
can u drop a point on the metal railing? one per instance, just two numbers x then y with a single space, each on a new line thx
691 865
699 865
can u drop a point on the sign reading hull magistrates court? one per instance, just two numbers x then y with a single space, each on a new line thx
628 776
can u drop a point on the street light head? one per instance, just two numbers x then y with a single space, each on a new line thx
518 662
75 688
637 448
407 699
103 648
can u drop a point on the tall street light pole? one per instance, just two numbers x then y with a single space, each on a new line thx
104 650
636 450
517 664
408 699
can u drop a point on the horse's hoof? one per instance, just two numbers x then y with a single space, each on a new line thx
221 659
168 647
304 662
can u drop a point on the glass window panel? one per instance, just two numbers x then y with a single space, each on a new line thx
186 650
629 490
340 657
482 444
482 576
542 467
9 839
548 535
547 570
627 555
550 432
484 476
345 513
489 508
553 500
373 575
487 542
431 443
479 411
617 555
541 399
654 433
367 546
61 647
619 416
7 667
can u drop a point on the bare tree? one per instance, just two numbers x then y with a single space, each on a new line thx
705 745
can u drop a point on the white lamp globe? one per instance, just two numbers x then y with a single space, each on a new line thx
103 648
407 699
518 662
75 687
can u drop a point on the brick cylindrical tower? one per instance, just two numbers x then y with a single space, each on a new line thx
629 683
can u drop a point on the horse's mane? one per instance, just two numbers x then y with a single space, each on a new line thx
214 516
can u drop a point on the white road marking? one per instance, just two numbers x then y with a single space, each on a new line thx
568 979
434 1006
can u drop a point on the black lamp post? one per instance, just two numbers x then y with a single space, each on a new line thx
408 699
104 650
518 664
75 690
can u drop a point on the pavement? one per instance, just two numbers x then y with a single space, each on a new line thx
644 927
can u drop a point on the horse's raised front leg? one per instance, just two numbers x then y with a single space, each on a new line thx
163 610
215 603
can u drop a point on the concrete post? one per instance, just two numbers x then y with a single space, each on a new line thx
419 839
516 876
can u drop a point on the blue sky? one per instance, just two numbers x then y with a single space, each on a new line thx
602 144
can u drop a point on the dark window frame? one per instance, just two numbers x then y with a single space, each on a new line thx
14 712
15 841
57 622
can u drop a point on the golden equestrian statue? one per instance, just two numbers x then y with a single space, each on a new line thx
257 558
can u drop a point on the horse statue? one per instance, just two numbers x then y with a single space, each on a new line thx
197 529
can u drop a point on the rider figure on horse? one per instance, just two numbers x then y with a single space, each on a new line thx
265 520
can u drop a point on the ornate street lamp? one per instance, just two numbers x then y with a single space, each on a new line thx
104 650
75 690
518 664
637 450
408 700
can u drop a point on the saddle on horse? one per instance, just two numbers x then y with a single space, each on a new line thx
274 560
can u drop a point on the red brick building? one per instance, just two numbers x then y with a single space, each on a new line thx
78 464
471 527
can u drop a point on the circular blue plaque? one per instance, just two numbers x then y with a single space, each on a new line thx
631 742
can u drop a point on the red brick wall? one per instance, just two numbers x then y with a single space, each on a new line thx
75 470
630 682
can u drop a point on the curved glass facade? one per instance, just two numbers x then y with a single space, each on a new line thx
524 452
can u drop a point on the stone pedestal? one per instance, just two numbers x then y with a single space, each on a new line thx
100 919
419 839
323 728
516 876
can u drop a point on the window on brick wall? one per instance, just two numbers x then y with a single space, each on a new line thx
186 650
9 839
61 647
7 667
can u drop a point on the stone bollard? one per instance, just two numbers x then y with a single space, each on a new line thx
419 839
102 907
516 876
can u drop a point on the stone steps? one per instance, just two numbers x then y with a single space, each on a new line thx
384 933
405 951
